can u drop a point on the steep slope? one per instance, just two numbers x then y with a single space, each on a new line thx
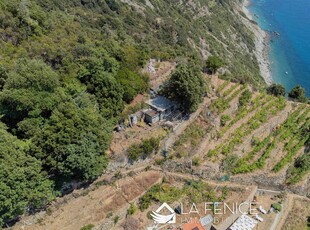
68 67
61 33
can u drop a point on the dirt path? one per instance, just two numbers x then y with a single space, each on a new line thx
288 206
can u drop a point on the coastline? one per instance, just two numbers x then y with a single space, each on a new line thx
262 40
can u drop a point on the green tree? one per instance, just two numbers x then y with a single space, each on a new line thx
132 83
109 93
213 63
276 90
73 141
3 77
187 87
298 93
23 185
30 91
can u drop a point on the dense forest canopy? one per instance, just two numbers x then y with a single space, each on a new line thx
68 67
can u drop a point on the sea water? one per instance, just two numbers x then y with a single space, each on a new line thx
288 23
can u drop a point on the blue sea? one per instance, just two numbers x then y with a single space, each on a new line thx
290 52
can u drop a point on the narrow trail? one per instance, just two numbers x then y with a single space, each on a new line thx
288 208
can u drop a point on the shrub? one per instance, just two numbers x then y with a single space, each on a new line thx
118 175
144 149
150 145
88 227
132 209
148 215
134 152
245 98
193 134
196 161
116 219
225 119
276 90
214 63
146 199
298 93
255 141
282 196
277 207
160 161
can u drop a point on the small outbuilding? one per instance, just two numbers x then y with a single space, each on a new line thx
151 116
162 105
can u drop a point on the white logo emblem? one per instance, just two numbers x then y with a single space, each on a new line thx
164 219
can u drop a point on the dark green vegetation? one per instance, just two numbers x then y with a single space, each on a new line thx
276 90
143 150
22 182
187 87
298 94
68 67
214 63
192 191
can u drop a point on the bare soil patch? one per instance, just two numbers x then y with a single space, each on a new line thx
94 206
297 216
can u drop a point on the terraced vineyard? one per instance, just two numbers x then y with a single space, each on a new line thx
289 131
267 109
269 134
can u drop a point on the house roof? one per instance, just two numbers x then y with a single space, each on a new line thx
194 224
244 222
151 113
161 103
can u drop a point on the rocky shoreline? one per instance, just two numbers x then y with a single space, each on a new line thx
262 40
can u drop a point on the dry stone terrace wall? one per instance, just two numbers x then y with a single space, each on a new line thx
94 206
